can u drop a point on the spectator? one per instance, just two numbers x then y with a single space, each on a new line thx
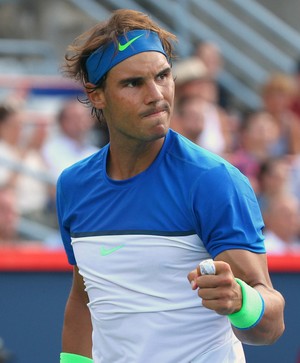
273 180
190 77
210 54
71 142
189 118
12 232
281 215
10 136
258 132
22 153
35 193
277 95
192 80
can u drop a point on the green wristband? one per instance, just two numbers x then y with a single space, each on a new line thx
253 307
74 358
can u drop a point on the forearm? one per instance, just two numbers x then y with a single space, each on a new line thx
77 329
271 326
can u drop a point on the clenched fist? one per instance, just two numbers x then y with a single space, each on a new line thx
219 292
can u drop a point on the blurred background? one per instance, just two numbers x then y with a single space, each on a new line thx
237 94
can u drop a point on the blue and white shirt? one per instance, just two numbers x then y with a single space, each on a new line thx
134 242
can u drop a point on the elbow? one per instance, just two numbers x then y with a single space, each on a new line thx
274 326
280 326
276 334
265 337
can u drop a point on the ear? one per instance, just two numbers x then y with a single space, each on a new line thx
96 97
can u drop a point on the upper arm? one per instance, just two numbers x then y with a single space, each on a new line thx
247 266
77 329
228 216
78 288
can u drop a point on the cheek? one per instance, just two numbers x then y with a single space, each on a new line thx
122 101
120 112
171 90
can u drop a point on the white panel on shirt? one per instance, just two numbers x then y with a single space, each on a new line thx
142 306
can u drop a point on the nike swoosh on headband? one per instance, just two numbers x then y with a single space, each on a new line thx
126 45
106 57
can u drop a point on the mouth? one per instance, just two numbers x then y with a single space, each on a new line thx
155 111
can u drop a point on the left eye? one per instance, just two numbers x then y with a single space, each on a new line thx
164 76
132 84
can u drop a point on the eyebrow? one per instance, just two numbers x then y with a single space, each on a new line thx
165 70
130 79
140 79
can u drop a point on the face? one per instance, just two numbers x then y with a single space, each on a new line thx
76 121
277 101
11 128
262 131
277 177
283 218
137 100
192 117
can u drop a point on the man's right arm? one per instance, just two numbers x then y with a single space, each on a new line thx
77 329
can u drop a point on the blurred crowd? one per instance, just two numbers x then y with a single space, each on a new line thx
32 155
263 143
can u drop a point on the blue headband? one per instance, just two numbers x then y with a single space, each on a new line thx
134 42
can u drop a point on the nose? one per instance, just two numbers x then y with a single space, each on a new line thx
153 93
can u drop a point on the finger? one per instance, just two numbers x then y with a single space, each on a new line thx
209 293
220 300
207 281
210 266
206 267
217 305
192 276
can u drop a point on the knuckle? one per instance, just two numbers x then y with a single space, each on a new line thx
224 307
226 280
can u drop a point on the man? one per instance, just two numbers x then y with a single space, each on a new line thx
194 81
70 143
211 55
282 217
138 216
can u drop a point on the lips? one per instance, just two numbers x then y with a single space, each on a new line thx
154 111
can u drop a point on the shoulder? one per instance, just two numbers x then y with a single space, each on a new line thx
189 156
83 170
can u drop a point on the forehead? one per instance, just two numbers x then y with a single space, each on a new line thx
140 65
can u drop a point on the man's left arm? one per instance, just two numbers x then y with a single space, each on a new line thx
221 292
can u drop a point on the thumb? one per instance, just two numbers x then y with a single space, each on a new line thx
192 278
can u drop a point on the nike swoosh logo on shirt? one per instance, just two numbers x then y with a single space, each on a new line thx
126 45
107 251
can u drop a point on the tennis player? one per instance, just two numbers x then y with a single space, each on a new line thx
138 217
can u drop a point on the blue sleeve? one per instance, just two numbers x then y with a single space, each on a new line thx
227 212
61 206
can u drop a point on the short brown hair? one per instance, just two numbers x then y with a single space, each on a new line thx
120 22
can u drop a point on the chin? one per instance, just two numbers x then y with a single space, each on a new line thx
162 131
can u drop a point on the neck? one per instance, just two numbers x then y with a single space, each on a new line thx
125 162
